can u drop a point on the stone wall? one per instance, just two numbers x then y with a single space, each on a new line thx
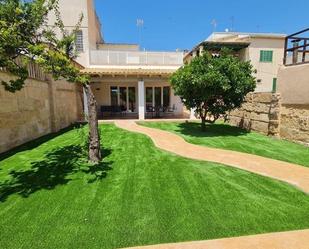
40 108
295 123
260 112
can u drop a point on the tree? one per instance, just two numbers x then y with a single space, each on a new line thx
25 37
213 86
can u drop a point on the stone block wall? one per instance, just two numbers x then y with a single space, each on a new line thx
40 108
295 123
260 112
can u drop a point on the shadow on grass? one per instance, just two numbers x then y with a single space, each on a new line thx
37 142
57 168
212 130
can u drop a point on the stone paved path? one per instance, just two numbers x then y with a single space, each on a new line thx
284 171
285 240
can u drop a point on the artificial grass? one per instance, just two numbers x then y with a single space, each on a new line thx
139 195
227 137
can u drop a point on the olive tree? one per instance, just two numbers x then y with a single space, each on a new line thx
213 86
25 35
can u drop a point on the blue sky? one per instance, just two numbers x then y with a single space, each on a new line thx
171 24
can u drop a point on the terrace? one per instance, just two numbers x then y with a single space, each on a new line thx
296 48
135 58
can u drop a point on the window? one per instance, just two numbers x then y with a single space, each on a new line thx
149 98
123 98
79 44
274 85
266 56
114 95
158 96
166 96
132 99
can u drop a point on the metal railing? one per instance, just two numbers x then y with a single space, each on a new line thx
296 49
111 57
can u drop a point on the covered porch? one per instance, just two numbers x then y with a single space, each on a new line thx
135 94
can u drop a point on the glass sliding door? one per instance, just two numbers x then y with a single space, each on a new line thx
114 96
123 98
158 97
166 96
132 99
149 98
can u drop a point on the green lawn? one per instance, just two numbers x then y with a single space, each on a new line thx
227 137
50 198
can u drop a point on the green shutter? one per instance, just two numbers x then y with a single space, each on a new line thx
266 56
261 56
274 85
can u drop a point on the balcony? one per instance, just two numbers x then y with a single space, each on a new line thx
296 49
135 58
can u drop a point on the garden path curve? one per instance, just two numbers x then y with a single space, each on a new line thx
284 171
284 240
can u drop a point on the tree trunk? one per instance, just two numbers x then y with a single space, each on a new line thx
94 151
203 118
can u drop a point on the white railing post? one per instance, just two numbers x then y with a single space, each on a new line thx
163 58
108 57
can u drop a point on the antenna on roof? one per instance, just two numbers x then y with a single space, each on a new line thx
140 26
214 25
232 19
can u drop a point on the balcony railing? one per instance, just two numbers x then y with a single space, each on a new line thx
125 58
296 49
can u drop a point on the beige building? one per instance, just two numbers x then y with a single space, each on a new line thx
265 51
127 82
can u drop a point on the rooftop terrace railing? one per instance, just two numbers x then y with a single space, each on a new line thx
128 58
296 49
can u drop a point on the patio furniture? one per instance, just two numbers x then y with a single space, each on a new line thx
113 111
150 110
158 111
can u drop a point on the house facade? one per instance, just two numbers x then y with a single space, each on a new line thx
127 82
265 51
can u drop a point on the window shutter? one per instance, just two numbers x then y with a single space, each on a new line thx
266 56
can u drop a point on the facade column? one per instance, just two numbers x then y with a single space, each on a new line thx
141 100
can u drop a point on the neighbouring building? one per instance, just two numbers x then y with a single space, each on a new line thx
293 86
285 112
265 51
127 82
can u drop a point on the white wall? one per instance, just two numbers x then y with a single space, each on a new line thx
293 84
266 71
70 11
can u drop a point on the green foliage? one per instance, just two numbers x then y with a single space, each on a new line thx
214 86
24 33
